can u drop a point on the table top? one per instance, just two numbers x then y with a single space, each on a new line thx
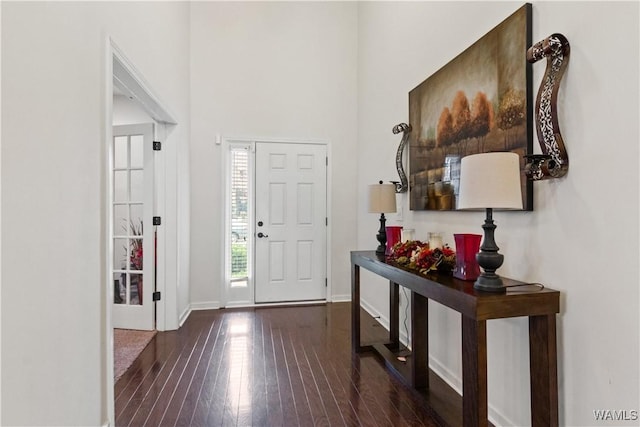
460 295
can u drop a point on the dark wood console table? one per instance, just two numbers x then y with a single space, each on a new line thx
476 308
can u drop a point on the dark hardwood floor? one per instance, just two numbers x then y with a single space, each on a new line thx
286 366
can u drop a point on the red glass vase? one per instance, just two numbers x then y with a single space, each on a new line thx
467 246
394 233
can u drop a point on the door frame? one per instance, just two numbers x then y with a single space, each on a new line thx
133 84
226 140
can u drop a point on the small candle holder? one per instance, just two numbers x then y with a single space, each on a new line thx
435 240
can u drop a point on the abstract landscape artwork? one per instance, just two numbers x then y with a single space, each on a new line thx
479 102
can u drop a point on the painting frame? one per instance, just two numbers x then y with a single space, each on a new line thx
480 101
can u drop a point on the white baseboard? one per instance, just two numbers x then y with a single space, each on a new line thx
446 374
498 419
184 316
384 321
341 298
455 382
207 305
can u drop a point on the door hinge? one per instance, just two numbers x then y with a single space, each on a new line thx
156 296
326 161
157 220
326 220
326 281
157 146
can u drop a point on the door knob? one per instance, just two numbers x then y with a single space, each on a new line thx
261 235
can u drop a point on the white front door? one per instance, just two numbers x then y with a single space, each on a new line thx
290 222
133 232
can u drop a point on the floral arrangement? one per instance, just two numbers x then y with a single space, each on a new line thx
417 255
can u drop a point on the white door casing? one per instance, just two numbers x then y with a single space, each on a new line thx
133 232
291 204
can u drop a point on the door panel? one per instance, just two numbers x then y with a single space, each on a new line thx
133 241
291 204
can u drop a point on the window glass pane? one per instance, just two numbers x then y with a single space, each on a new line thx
136 289
137 186
137 151
120 186
120 152
120 254
238 260
239 184
136 217
120 220
119 288
135 254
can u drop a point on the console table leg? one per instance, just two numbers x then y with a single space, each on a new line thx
355 308
544 370
419 341
474 373
394 314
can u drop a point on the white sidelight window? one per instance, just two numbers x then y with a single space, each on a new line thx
238 229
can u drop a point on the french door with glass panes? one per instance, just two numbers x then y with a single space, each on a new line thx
133 249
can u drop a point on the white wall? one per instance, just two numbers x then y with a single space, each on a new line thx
53 192
270 70
581 239
128 112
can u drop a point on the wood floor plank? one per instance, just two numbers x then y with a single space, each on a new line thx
218 389
285 384
152 408
142 399
327 400
206 394
193 394
266 366
275 411
258 383
149 363
184 385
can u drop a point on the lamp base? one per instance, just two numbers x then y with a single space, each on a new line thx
489 259
489 283
382 237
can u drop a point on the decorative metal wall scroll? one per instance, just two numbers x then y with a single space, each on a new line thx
402 186
554 162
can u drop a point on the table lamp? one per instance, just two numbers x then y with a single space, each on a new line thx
382 199
490 181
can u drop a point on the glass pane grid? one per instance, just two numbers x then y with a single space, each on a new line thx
239 218
127 220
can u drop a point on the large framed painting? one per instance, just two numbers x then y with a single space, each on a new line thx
480 101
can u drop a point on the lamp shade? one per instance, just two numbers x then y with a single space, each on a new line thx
382 198
490 180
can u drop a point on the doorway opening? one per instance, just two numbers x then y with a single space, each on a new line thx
128 265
